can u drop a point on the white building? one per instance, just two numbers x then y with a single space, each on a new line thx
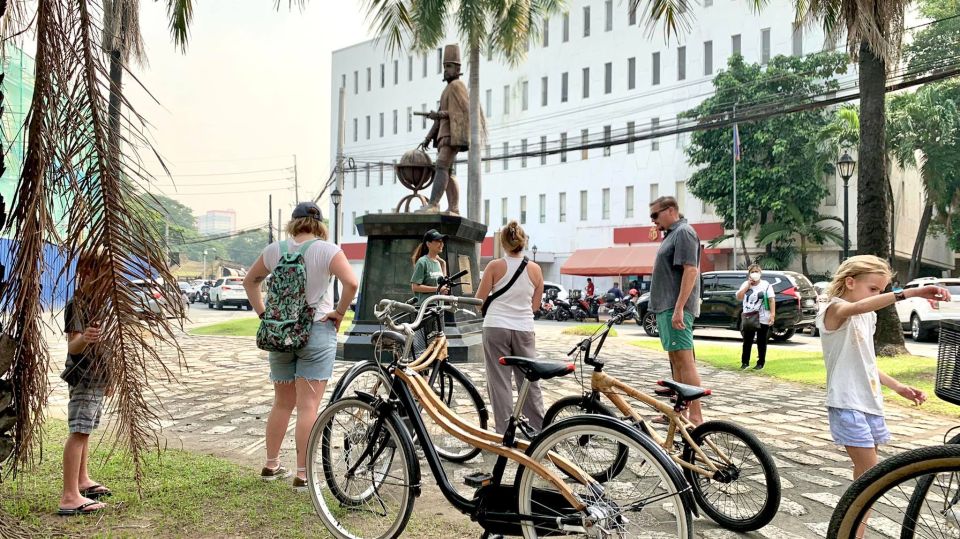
217 222
593 73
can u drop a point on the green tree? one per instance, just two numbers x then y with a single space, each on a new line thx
499 25
805 227
245 248
780 165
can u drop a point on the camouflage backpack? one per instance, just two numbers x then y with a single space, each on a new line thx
288 317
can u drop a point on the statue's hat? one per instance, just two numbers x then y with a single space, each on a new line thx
451 54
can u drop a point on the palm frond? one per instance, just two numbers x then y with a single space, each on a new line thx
391 21
430 19
180 16
473 24
121 30
673 15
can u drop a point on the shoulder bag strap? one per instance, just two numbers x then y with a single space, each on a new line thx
303 248
283 248
498 293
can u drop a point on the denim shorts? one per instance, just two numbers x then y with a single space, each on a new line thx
312 362
856 428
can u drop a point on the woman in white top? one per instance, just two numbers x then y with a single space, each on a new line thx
508 326
756 294
300 378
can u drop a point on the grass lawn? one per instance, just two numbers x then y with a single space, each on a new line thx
807 368
247 327
587 329
184 495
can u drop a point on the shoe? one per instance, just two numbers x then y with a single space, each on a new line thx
81 509
299 485
744 366
272 474
759 367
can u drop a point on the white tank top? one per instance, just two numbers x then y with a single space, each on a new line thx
853 380
513 309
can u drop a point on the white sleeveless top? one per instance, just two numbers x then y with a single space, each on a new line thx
316 261
853 380
512 310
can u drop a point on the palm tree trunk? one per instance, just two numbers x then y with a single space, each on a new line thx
873 221
925 219
473 154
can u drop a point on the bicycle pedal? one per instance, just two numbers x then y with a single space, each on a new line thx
477 479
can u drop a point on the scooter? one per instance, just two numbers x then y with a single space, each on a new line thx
583 308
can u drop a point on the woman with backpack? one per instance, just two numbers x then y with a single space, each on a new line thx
759 312
303 267
511 289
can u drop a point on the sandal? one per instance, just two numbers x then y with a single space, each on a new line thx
95 492
80 509
661 420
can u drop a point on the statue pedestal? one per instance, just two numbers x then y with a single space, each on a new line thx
391 239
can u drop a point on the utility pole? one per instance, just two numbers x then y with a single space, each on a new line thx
166 240
296 185
270 218
279 226
341 115
736 157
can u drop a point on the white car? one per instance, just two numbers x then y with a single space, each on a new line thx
228 291
561 290
922 319
152 302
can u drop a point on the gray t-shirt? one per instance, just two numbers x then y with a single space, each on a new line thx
681 246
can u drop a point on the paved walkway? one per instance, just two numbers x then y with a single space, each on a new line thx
220 405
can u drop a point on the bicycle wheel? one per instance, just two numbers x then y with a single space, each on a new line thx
881 496
361 471
457 391
568 407
368 376
913 514
645 499
744 494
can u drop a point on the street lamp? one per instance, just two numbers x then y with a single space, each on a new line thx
845 166
204 275
534 251
336 196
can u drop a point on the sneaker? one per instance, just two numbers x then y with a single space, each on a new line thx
272 474
759 367
299 485
744 366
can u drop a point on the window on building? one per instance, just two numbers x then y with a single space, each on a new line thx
381 173
797 40
381 125
607 135
631 73
764 46
563 147
628 202
343 81
523 150
524 95
586 21
506 152
562 207
369 79
396 72
506 99
366 171
523 210
353 221
355 129
681 63
681 193
489 102
831 181
439 60
409 119
605 207
544 85
566 27
586 82
707 208
564 79
655 68
486 212
583 205
543 208
735 44
608 16
681 137
584 140
354 177
368 127
393 171
424 65
356 82
546 32
543 150
383 75
654 126
503 211
423 119
409 68
707 3
607 77
654 192
486 163
631 130
489 54
708 57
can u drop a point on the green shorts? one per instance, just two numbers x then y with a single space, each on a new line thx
675 339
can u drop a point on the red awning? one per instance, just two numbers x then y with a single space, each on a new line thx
636 260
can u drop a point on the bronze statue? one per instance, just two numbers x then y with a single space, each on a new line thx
450 133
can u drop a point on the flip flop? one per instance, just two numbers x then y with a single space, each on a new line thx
95 492
80 510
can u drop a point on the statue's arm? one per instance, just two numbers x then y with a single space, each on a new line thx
432 134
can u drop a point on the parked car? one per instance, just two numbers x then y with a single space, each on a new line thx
228 291
152 302
719 307
822 300
922 319
562 293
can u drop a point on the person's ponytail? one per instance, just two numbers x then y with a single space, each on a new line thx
419 251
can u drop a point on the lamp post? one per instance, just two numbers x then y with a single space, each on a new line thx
336 196
534 251
204 275
845 166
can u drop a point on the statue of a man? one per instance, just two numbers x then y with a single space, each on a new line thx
450 133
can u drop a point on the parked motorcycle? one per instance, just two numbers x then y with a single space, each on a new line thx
618 306
583 308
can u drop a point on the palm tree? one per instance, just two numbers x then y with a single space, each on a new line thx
807 228
499 25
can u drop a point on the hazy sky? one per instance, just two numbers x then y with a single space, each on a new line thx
252 90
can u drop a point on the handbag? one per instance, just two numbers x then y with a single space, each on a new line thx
498 293
750 321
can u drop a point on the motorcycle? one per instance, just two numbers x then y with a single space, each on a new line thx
617 306
583 308
204 294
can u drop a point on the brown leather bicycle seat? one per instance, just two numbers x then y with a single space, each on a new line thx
538 369
686 392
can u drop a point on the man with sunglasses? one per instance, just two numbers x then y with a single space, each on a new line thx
675 292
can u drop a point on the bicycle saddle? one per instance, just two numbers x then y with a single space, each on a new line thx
538 369
386 335
687 393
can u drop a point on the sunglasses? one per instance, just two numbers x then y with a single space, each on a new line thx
654 215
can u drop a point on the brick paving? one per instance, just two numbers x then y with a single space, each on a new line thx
220 403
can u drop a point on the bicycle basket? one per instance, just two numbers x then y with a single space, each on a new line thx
947 385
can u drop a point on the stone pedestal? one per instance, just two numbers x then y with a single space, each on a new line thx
387 267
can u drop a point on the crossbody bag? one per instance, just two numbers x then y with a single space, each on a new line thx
502 291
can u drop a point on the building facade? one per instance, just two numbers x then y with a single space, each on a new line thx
217 222
594 74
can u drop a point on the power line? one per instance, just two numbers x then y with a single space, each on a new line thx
221 184
207 239
238 173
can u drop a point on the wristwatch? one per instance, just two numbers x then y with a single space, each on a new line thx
898 294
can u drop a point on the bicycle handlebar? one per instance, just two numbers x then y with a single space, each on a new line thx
382 311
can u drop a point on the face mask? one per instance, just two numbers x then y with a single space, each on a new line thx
755 276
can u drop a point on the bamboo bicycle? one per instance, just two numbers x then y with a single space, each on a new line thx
363 472
733 476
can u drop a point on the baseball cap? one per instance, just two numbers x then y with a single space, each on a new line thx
307 209
433 235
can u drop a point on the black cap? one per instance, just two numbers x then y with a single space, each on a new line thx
433 235
307 209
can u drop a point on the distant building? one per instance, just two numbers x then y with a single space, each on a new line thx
217 222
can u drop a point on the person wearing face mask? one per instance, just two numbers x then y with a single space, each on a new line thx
759 312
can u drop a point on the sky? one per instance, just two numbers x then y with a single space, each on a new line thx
252 91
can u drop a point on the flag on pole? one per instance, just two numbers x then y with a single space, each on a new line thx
736 142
